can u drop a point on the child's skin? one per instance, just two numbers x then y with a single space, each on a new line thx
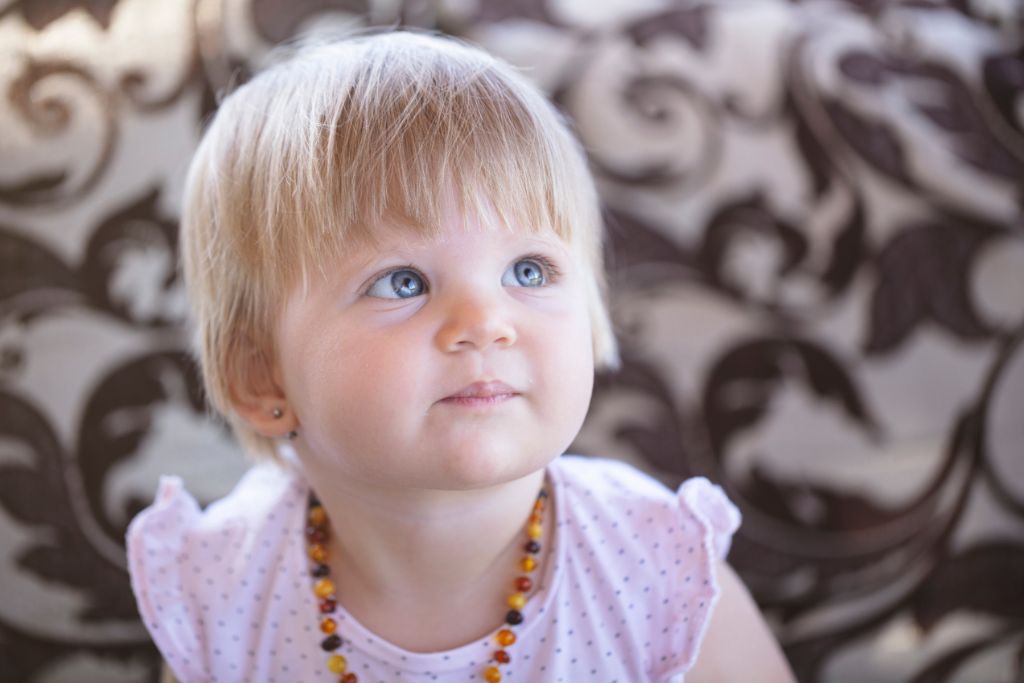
427 492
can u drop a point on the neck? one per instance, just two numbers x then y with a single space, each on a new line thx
429 570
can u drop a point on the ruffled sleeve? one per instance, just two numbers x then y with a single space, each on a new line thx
714 513
157 543
708 520
216 587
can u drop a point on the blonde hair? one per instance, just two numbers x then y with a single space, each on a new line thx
313 152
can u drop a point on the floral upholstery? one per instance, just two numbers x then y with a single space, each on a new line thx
817 249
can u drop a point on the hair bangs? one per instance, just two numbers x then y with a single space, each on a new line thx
400 154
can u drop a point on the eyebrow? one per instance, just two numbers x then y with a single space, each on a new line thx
404 244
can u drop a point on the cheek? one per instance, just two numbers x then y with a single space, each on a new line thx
582 369
358 383
340 369
319 368
568 360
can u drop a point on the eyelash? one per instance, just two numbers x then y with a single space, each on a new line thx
552 273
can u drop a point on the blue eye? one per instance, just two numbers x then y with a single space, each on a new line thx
398 284
525 273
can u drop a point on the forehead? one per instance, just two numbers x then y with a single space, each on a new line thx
454 238
455 218
456 222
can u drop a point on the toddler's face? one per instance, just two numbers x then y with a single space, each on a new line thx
445 363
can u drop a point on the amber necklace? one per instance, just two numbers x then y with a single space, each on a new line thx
318 536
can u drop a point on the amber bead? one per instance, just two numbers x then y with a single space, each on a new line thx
492 675
337 664
331 642
523 584
501 657
505 637
538 506
328 625
315 535
317 553
324 588
317 516
328 606
528 564
517 601
349 678
535 531
532 546
514 617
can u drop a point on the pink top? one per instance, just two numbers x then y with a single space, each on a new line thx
625 596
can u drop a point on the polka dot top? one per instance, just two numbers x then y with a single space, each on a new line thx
625 594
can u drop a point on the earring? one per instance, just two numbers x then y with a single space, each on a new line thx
277 413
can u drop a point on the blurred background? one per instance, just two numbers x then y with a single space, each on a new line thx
816 242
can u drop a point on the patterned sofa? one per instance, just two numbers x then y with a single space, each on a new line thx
817 248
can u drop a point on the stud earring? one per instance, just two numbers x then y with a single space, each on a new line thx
277 413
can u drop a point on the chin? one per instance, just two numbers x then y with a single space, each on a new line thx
466 469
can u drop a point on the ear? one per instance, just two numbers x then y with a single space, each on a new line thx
259 399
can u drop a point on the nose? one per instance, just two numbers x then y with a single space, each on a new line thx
475 321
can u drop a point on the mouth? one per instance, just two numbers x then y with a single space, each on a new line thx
481 394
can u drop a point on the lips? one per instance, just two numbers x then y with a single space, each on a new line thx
482 393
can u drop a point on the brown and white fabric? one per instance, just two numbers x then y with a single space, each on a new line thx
816 238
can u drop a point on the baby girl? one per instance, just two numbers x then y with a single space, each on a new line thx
393 252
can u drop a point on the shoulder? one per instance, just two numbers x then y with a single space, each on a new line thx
182 559
737 619
660 550
174 519
607 481
609 488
